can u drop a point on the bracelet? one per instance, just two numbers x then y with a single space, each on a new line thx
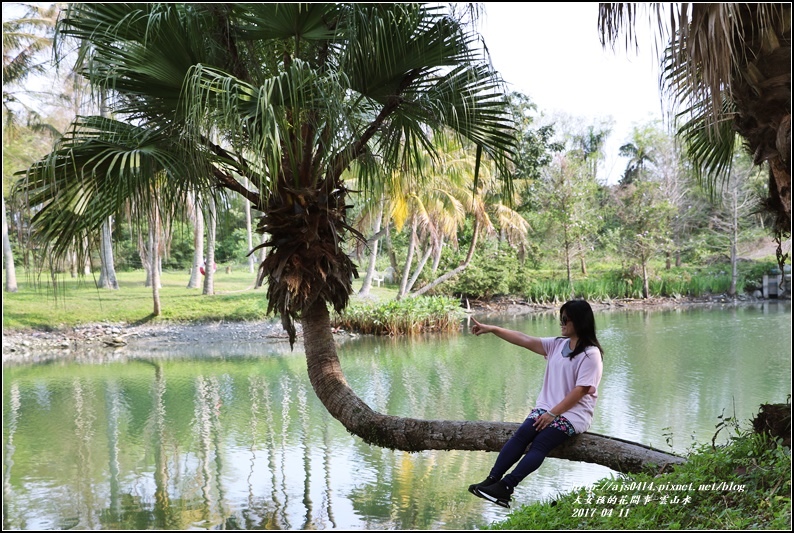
552 414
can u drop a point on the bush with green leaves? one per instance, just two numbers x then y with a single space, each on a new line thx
492 272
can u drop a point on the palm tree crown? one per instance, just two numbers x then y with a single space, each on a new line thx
727 66
281 96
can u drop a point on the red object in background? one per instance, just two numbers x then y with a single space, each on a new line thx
214 268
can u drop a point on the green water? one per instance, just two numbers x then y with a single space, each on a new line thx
232 437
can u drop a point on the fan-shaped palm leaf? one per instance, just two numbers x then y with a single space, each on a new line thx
98 166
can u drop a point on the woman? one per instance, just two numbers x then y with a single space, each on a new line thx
565 404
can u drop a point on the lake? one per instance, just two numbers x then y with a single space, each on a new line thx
233 437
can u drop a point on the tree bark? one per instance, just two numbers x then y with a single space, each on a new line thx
209 263
250 236
86 258
460 268
73 263
198 247
419 267
734 241
373 255
154 267
8 256
145 252
107 268
413 435
645 288
409 259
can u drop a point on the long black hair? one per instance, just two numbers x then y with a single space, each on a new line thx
581 314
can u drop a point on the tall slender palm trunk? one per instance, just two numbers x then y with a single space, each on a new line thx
107 272
209 262
8 256
154 267
198 247
249 232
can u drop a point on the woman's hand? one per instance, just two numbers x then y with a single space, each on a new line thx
479 329
543 421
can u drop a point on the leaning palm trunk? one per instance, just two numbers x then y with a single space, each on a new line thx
413 435
373 254
457 270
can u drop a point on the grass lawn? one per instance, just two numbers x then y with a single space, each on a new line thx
42 305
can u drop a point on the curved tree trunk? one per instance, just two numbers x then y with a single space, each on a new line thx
413 435
460 268
409 259
366 284
419 267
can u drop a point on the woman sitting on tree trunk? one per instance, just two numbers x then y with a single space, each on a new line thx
564 406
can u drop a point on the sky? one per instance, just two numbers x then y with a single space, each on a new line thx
552 53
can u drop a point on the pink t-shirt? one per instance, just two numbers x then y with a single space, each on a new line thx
563 374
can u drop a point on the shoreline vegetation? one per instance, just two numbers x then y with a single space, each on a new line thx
26 339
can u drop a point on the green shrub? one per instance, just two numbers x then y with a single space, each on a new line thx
492 273
401 317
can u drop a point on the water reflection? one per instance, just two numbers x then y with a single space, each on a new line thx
237 442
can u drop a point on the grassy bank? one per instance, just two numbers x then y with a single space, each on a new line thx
68 302
44 305
744 484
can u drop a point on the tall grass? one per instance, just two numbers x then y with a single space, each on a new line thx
409 316
612 285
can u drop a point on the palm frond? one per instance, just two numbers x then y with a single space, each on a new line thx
710 149
98 167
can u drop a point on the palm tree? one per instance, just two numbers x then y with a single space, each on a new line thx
639 157
25 37
728 67
287 97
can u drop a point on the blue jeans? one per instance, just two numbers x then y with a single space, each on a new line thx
543 442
